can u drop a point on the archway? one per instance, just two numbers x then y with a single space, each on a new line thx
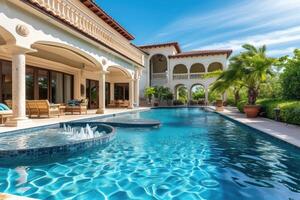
198 94
197 70
181 93
118 87
215 66
180 71
158 68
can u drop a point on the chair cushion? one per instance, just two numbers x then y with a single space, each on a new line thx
74 102
4 107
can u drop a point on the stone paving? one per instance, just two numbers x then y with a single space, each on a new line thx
36 122
287 132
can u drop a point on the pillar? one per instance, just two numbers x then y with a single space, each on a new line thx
137 92
206 96
101 108
112 91
137 88
131 93
18 90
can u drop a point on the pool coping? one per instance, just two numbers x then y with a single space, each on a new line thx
20 130
287 133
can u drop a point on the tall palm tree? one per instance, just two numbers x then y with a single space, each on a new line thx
249 69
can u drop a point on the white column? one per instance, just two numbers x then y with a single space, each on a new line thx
112 91
137 88
101 108
131 93
137 92
18 90
206 96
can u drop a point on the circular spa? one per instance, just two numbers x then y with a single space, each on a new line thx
52 142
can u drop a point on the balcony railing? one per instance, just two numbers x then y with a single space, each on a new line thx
159 75
74 14
197 75
180 76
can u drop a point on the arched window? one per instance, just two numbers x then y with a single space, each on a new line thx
158 63
197 68
215 66
180 69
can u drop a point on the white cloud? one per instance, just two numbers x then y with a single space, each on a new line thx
274 38
255 12
271 22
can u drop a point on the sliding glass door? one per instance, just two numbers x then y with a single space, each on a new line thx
57 87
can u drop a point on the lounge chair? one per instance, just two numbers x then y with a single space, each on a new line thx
5 112
8 103
77 106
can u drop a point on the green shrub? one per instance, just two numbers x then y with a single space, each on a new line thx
289 109
290 77
178 102
241 105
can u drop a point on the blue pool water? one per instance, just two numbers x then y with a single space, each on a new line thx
193 155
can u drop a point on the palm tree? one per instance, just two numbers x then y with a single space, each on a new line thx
249 69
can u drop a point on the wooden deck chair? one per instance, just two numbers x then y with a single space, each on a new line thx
45 108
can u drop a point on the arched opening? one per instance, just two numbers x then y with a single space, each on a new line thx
158 69
180 72
196 71
65 54
198 94
5 67
181 93
117 87
6 37
215 66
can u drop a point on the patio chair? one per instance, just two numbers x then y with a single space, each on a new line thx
77 106
124 104
112 104
32 108
45 108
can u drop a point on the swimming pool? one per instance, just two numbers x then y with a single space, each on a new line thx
193 155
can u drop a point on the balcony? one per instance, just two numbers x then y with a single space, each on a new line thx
186 76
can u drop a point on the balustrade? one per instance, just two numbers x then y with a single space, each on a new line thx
69 11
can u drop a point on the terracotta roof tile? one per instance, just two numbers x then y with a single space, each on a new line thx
175 44
201 53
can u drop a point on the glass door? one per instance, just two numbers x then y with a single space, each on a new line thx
92 93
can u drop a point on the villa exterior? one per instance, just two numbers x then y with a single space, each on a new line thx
166 65
71 49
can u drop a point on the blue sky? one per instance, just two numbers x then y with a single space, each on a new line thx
213 24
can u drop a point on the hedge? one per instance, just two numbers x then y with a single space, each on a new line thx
289 109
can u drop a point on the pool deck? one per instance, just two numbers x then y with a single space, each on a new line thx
4 196
36 122
286 132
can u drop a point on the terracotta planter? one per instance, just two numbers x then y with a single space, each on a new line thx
219 103
251 110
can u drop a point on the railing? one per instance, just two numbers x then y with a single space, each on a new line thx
180 76
196 75
73 13
159 75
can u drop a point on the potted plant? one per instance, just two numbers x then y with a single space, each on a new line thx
249 69
149 92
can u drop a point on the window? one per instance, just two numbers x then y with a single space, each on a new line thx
5 81
57 91
29 83
43 84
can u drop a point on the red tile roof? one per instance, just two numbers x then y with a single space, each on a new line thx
201 53
175 44
108 19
